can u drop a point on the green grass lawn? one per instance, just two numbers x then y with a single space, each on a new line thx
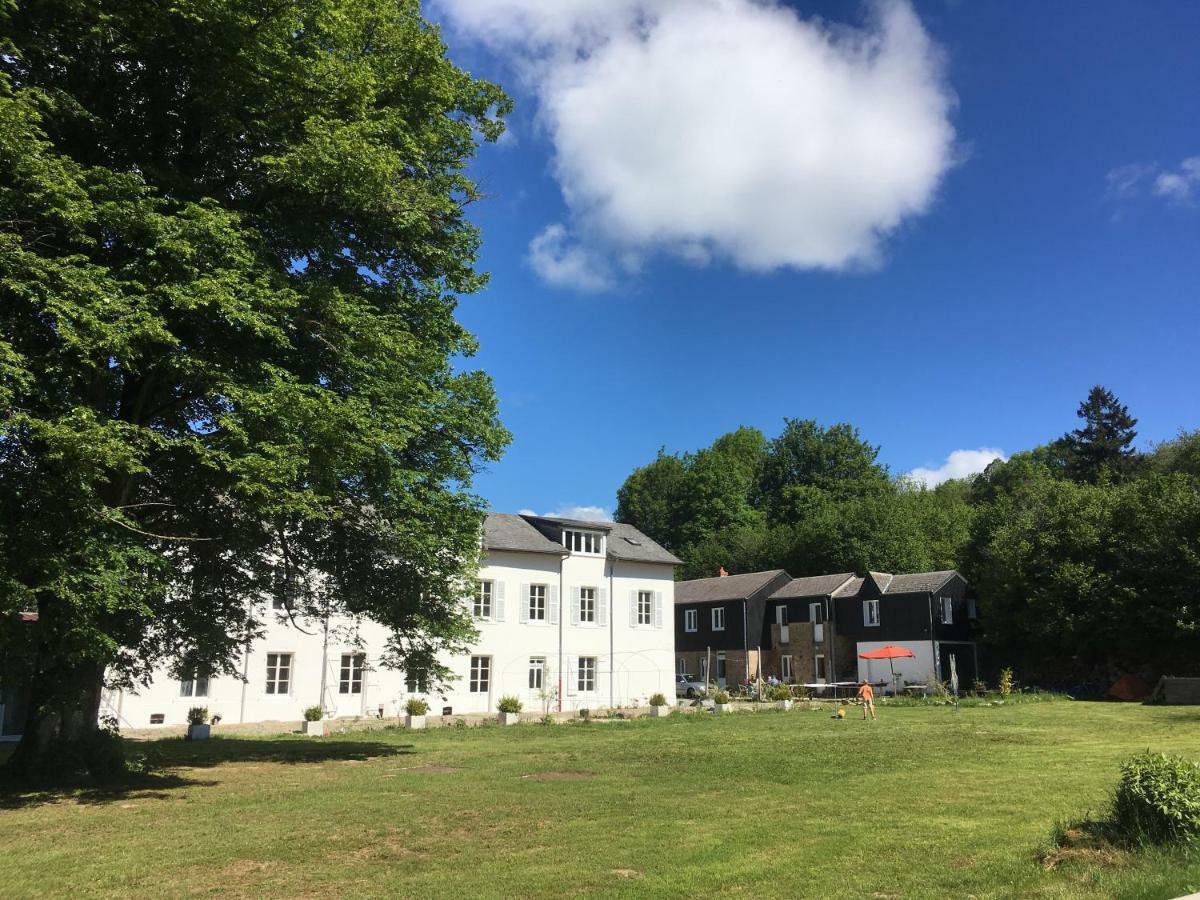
926 802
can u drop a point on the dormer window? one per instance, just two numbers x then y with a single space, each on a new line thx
587 542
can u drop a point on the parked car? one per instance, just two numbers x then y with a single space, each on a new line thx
688 686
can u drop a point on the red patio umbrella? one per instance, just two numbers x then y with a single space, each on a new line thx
889 652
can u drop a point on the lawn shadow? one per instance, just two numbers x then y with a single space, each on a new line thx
163 757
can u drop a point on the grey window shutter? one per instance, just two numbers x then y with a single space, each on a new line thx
658 610
523 615
572 678
633 598
602 607
574 606
553 604
498 601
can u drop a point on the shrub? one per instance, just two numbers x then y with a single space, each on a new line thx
780 692
547 719
416 706
721 696
658 700
585 714
1006 682
1158 799
509 703
197 715
314 714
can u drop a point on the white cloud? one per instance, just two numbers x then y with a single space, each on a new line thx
583 513
723 129
1178 186
958 464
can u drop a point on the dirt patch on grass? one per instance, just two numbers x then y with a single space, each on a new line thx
627 873
559 776
1082 845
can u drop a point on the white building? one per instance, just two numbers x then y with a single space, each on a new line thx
570 615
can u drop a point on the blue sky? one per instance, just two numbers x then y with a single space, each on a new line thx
1013 211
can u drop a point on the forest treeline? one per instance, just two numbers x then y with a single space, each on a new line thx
1084 551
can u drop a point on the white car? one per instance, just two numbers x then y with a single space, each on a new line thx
687 686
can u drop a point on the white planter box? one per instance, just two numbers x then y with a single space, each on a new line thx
723 707
509 718
414 722
198 732
314 729
783 704
659 712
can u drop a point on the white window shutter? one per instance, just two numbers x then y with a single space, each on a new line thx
523 615
866 612
574 606
498 601
602 607
553 604
658 610
572 675
633 609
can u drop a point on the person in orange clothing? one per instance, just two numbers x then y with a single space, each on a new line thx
866 696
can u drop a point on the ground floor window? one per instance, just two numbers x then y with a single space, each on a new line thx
720 665
351 678
786 668
704 668
681 666
279 673
194 686
587 673
481 674
417 682
819 667
537 672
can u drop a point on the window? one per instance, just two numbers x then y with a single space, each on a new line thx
681 666
481 674
537 603
483 600
704 669
158 718
279 673
537 672
972 610
587 605
645 607
587 673
819 667
691 619
721 666
871 612
417 682
584 542
786 668
718 618
351 678
947 610
195 686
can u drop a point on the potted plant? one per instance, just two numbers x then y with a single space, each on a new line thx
721 701
658 706
782 695
510 710
414 713
198 727
313 726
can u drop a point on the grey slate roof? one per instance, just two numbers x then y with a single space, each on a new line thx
814 586
725 587
505 531
851 588
881 579
920 582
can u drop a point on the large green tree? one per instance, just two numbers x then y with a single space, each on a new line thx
1103 445
232 234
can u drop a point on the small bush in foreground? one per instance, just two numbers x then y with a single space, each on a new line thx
1158 799
780 692
197 715
721 696
509 704
547 719
1006 682
658 700
314 714
416 707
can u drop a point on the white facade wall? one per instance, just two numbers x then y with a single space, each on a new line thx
632 661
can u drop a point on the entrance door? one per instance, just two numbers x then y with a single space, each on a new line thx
721 669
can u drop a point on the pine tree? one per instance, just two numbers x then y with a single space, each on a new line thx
1105 442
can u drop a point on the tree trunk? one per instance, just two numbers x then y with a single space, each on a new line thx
64 706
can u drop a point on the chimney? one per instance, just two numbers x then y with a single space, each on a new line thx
721 572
